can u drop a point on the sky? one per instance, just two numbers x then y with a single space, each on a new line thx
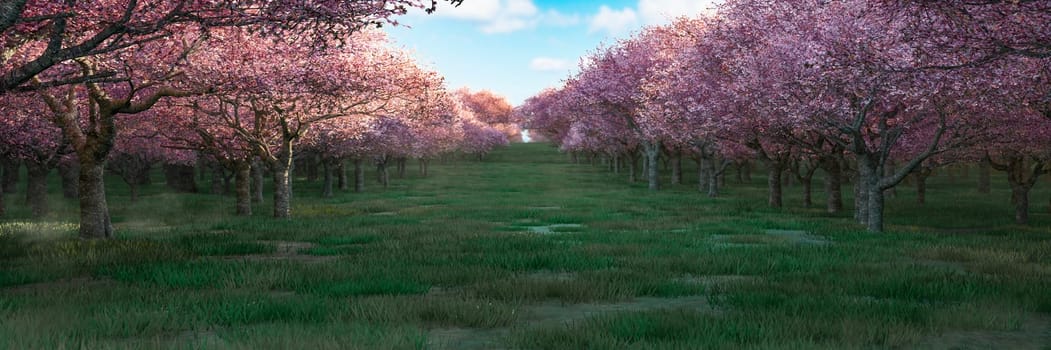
517 48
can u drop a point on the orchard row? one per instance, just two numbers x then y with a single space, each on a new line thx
123 86
876 91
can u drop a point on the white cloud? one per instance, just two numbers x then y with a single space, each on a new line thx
505 16
613 21
661 11
548 64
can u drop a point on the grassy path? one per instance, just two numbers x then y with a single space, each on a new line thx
525 250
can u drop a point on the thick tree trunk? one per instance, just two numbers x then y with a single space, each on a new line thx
180 178
676 168
36 188
94 211
876 204
328 168
359 176
341 175
257 182
921 176
282 197
282 181
984 175
833 186
861 195
9 181
702 175
653 153
243 184
69 171
1020 199
774 171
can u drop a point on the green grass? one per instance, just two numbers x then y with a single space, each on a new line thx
391 268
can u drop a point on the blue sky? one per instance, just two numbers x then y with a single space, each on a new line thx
518 47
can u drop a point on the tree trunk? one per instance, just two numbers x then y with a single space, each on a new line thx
702 175
256 186
921 184
243 184
984 176
180 178
69 171
616 163
328 168
359 176
341 173
1020 199
36 188
282 197
9 181
774 171
876 203
282 181
861 197
94 212
676 168
833 185
382 174
401 167
653 153
714 175
423 166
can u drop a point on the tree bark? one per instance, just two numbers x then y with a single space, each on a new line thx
282 181
833 185
94 212
774 171
69 171
243 183
328 168
653 153
1020 199
921 176
36 188
257 181
341 174
359 176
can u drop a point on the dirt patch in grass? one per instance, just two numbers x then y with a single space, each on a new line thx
1035 334
554 314
718 280
555 228
798 237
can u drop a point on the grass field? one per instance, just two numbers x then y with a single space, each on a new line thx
526 250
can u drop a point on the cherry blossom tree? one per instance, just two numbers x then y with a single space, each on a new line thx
36 35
